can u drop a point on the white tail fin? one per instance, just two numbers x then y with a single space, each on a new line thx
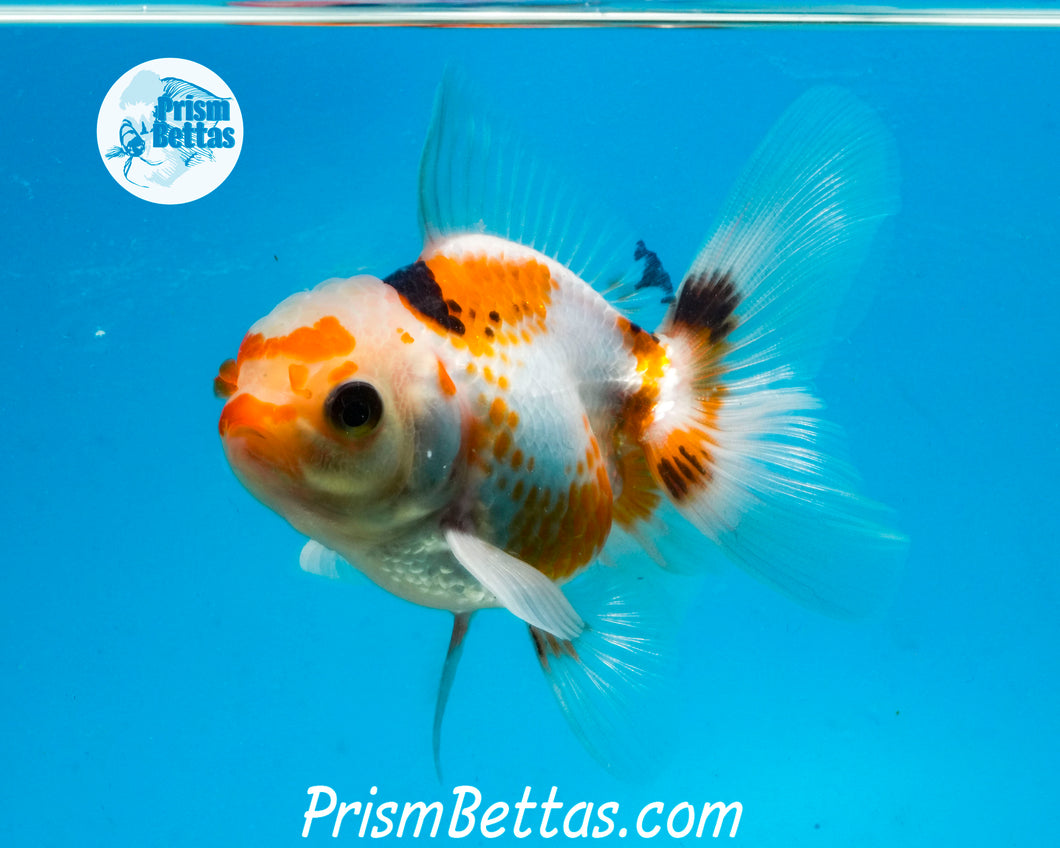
735 439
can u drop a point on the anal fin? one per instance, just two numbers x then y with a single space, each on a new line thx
611 681
461 622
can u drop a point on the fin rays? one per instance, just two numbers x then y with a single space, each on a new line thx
478 176
751 320
461 623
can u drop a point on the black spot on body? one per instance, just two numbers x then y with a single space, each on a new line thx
708 302
454 307
495 317
489 332
417 285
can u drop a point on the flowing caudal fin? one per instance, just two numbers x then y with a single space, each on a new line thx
612 681
735 438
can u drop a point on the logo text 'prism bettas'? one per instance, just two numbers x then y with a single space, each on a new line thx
169 131
197 134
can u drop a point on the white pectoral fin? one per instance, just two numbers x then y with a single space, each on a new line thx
522 589
324 562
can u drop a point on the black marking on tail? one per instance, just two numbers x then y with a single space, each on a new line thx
675 483
708 302
695 462
417 285
654 275
547 646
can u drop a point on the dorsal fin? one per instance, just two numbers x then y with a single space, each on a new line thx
478 176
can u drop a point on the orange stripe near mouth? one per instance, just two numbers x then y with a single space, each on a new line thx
263 432
247 411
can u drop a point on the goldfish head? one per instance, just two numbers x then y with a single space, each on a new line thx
340 416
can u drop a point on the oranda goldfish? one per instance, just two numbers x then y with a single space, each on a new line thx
476 428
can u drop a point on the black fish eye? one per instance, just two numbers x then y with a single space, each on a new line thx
354 408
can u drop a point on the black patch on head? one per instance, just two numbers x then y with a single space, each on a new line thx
654 275
708 302
417 285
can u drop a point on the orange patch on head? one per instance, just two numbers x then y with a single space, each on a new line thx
326 339
343 372
263 428
248 411
298 376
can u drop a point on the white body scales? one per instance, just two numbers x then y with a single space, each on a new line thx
469 430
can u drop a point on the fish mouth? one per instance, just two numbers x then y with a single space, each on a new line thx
242 431
246 412
258 431
252 451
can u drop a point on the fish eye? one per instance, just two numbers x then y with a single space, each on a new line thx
354 408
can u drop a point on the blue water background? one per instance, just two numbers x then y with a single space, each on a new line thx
169 677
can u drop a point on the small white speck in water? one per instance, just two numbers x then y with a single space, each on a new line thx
100 333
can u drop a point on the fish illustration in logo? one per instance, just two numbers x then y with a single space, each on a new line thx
131 145
479 428
191 139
